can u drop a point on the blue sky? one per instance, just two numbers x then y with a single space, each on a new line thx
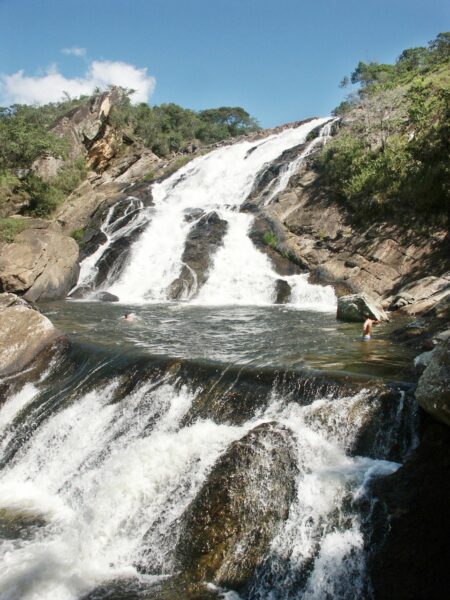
282 60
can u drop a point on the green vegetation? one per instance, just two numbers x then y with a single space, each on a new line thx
270 239
78 235
390 157
167 129
46 196
25 136
10 228
170 128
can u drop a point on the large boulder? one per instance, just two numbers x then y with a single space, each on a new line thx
433 390
24 332
203 241
359 307
41 264
227 529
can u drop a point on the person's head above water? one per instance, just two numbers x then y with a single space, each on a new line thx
128 317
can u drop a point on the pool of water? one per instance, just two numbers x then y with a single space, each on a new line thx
273 336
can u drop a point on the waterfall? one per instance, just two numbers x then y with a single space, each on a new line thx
220 181
279 184
105 472
113 227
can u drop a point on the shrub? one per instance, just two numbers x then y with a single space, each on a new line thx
78 235
10 228
270 239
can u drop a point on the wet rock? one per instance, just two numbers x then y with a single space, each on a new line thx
24 333
106 297
269 238
192 214
41 263
227 529
433 390
282 291
175 587
202 242
359 307
81 292
407 539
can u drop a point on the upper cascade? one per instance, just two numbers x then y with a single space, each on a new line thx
219 183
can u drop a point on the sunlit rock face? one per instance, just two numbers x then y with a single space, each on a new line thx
24 332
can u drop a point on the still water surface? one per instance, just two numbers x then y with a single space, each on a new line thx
269 336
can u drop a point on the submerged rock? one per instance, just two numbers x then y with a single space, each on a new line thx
202 242
227 529
24 333
433 390
359 307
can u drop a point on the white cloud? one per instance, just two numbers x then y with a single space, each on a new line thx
74 51
19 88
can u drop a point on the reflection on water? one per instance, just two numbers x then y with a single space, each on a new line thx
276 336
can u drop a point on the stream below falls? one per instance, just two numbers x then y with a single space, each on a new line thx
198 452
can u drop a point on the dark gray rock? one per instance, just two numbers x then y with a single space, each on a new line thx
106 297
282 291
203 241
407 540
227 529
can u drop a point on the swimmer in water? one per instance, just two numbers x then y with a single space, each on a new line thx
128 317
367 328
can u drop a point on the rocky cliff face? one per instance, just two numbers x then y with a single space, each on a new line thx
398 266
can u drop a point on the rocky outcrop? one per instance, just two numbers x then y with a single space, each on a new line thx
358 308
202 242
269 237
24 333
227 529
401 267
433 390
41 263
83 126
407 539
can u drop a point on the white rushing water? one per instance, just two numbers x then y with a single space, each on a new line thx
113 229
112 478
220 181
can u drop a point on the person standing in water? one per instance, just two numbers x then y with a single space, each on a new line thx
367 328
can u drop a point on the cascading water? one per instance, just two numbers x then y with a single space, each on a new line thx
221 182
114 227
95 491
280 183
104 454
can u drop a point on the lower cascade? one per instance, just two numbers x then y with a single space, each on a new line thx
126 476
